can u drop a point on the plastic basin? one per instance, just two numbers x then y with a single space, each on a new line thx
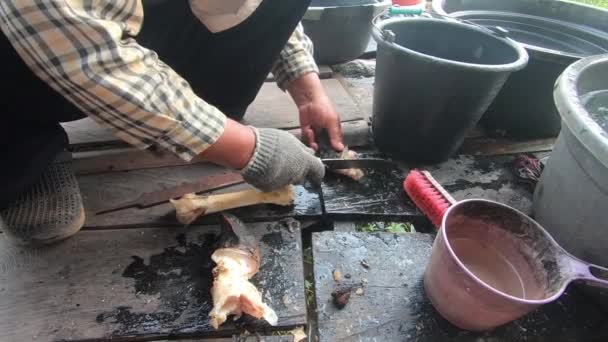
341 29
555 34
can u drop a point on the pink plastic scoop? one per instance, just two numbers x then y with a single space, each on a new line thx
492 264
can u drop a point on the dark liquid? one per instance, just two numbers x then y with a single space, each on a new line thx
491 267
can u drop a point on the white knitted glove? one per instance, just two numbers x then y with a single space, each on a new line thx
279 159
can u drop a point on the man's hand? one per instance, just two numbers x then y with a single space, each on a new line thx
279 160
268 158
316 111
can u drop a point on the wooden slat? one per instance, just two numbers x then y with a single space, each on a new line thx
146 283
102 191
378 194
356 133
489 146
272 108
251 338
394 306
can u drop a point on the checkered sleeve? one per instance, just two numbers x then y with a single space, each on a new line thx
85 51
295 60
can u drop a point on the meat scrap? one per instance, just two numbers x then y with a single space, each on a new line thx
236 262
354 174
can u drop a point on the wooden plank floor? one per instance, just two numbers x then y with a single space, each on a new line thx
101 191
271 108
393 306
138 282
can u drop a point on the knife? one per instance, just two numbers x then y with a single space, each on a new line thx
206 184
363 163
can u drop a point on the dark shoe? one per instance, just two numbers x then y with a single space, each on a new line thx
50 211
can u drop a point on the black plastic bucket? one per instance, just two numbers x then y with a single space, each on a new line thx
434 80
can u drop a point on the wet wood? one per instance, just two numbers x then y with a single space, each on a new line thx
275 108
253 338
101 191
151 283
356 133
486 177
393 306
272 108
378 194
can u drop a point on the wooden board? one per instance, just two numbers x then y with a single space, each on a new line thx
253 338
394 307
491 146
275 108
378 194
487 177
271 108
102 191
356 133
148 283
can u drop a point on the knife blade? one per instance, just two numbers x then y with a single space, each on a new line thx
363 163
206 184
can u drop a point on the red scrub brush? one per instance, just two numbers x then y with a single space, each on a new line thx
428 195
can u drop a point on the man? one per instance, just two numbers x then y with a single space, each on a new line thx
170 73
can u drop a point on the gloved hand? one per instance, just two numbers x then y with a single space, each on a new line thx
279 159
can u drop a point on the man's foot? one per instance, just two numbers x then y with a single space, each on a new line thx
50 211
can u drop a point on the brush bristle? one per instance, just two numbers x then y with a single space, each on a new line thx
426 197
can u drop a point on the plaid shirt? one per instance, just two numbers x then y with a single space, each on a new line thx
87 53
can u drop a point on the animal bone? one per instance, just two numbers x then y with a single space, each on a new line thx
191 206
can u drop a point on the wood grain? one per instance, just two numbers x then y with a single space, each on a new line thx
101 191
138 283
356 134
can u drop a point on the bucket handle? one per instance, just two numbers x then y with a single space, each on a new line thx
389 36
591 274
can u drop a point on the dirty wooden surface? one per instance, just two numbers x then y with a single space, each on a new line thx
356 133
486 177
379 193
139 282
394 307
105 190
271 108
252 338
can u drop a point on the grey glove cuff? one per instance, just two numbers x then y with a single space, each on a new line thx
263 154
280 159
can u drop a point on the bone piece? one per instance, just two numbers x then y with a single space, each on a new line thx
232 293
191 206
355 174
